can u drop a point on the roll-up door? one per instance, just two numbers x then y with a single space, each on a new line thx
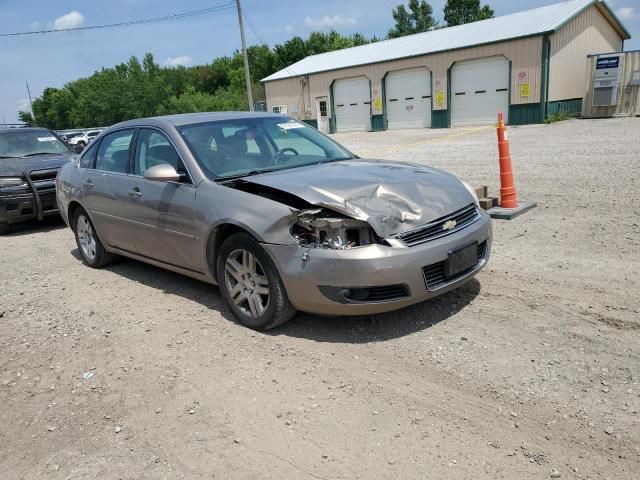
352 103
408 98
479 90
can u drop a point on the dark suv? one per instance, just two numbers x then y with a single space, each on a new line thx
29 162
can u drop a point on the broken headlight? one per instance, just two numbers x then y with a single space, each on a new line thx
325 229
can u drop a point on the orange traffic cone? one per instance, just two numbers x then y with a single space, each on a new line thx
508 198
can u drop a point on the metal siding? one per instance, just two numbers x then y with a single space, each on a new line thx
525 114
499 29
589 32
571 107
525 55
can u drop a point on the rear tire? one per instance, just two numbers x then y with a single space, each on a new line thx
251 285
5 228
90 247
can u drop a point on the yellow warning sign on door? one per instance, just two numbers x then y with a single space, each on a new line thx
439 97
524 89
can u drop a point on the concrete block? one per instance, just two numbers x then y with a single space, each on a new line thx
482 192
488 202
511 213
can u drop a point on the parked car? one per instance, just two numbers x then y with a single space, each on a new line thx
29 162
84 138
66 137
277 214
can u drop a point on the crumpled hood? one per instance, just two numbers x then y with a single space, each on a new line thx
392 197
13 167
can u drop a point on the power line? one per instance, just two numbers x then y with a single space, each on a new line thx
275 54
176 16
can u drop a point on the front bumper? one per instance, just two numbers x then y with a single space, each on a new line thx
372 266
19 207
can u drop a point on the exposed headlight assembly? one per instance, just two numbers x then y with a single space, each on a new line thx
322 229
11 182
472 192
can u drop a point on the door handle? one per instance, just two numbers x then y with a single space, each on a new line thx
88 184
135 193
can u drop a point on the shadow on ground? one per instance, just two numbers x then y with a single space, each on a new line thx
381 327
361 329
34 226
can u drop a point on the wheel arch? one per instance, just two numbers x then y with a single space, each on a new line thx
216 237
73 207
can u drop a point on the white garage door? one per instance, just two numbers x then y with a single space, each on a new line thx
479 90
352 101
408 98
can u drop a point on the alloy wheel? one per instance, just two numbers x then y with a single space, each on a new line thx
86 238
246 283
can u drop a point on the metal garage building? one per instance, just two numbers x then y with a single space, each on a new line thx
527 65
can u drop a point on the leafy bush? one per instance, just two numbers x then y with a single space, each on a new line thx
557 117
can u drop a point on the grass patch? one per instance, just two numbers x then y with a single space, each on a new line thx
557 117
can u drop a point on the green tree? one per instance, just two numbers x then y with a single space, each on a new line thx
141 88
419 18
26 117
458 12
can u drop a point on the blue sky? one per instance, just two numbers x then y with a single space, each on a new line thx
54 59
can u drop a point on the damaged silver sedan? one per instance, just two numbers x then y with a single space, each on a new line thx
277 214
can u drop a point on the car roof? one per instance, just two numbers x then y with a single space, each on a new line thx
24 129
192 118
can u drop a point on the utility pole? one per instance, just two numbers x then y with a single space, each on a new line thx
247 77
33 115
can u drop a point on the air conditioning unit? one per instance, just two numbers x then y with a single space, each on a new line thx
605 81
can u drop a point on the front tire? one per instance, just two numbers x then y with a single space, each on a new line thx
90 247
251 285
5 228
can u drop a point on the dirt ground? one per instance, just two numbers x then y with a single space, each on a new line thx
530 371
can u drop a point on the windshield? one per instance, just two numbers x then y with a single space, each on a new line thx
240 147
24 143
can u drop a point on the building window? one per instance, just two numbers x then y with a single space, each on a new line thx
323 108
282 109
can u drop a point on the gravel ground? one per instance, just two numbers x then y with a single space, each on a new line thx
530 371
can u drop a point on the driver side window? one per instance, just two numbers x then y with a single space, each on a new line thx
153 148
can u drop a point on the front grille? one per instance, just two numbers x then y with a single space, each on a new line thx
44 180
40 175
434 275
389 292
436 229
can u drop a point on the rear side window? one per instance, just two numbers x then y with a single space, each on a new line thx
113 152
86 161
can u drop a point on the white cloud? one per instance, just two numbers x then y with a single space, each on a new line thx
24 105
181 61
72 19
329 21
34 25
625 12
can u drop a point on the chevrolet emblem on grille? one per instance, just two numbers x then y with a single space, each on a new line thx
449 225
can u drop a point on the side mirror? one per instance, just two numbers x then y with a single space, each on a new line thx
162 173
